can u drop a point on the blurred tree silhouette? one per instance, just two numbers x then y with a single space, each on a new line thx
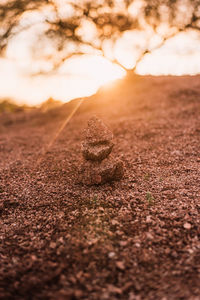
87 26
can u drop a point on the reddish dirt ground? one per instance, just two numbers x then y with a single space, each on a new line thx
134 239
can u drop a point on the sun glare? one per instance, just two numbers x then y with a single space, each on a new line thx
78 77
83 76
95 68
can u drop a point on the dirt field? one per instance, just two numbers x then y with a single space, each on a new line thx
134 239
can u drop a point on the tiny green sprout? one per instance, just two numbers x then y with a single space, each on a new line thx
150 198
146 176
95 198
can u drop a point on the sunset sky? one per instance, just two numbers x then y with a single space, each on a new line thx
79 77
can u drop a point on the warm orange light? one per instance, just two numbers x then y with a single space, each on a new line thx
82 76
77 77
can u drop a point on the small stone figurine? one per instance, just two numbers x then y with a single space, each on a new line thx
99 166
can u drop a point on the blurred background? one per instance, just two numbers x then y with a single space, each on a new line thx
62 49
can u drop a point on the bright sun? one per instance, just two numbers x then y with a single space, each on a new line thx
77 77
82 76
95 68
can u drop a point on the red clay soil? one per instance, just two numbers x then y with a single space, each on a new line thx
134 239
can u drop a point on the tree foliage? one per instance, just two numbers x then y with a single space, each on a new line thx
78 27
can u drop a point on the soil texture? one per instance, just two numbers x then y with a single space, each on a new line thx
137 238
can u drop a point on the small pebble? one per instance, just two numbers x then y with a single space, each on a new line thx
123 243
111 254
187 225
148 219
52 245
120 265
